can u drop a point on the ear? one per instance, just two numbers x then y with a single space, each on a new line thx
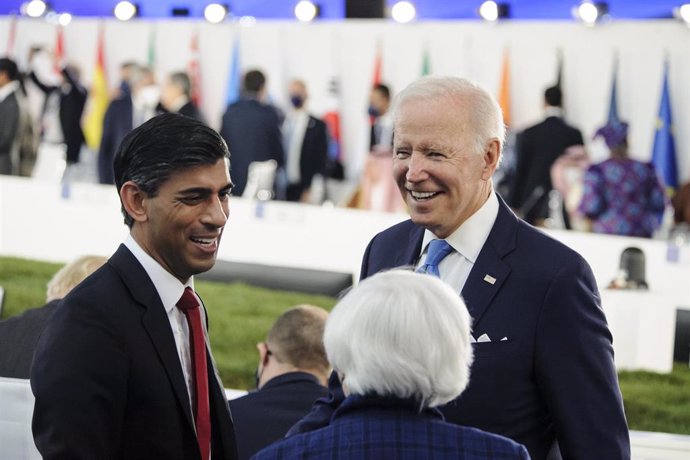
491 158
263 352
133 200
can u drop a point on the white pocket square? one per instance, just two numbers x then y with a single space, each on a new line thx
483 338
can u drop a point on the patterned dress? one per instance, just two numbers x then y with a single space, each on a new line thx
623 196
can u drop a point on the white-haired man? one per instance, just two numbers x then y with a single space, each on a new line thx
400 345
544 369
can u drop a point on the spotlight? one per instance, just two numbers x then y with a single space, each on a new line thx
683 13
492 11
306 11
590 13
215 12
247 21
403 12
64 19
124 11
35 8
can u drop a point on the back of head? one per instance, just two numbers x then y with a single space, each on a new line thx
141 76
181 80
296 338
383 90
473 103
72 274
9 68
553 96
254 81
401 334
151 153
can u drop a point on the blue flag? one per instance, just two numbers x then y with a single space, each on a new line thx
234 78
613 118
664 151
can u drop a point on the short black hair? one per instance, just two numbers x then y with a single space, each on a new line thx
553 96
254 81
167 143
384 90
9 67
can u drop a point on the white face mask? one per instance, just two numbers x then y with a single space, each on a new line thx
149 95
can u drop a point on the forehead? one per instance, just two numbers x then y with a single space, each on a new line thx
212 176
431 118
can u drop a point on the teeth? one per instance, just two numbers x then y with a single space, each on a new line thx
203 240
422 195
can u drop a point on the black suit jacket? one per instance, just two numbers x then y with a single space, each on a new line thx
117 122
71 108
536 149
314 151
108 380
553 377
190 110
265 416
252 131
18 338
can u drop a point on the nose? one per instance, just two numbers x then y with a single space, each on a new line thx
216 213
416 170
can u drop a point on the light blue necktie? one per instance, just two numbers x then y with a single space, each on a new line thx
438 249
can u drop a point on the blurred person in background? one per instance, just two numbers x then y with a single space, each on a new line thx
176 96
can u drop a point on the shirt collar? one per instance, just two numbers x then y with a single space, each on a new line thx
551 111
469 238
8 89
169 288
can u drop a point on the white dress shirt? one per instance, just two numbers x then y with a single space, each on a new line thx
467 241
170 291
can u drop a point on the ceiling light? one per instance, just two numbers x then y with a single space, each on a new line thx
403 12
306 11
590 12
64 19
683 13
215 12
492 11
124 11
36 8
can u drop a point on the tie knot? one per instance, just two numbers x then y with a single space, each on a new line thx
438 249
189 300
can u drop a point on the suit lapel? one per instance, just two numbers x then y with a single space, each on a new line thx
490 271
155 322
410 253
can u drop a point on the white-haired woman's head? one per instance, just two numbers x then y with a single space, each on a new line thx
401 334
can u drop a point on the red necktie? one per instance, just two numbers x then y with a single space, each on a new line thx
190 304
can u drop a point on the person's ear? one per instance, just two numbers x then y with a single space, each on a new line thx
492 155
263 352
134 201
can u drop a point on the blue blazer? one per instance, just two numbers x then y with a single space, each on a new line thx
108 380
548 373
372 427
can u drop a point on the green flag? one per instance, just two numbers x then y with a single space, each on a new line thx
426 62
152 48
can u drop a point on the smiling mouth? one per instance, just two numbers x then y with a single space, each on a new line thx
206 242
422 196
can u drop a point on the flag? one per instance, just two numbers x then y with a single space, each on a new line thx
332 120
151 54
559 70
376 78
504 88
664 150
98 98
12 36
234 79
426 62
59 55
194 70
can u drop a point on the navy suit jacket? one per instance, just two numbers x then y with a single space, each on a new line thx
108 380
252 131
372 427
265 416
117 123
553 376
314 151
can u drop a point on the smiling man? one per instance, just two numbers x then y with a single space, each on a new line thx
123 369
543 368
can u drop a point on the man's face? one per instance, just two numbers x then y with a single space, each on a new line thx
379 101
441 177
169 93
184 221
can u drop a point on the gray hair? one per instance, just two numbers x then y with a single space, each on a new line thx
182 81
402 334
483 111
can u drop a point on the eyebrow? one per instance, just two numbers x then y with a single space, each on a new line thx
204 191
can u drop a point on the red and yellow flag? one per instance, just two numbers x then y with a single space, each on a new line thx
504 88
98 99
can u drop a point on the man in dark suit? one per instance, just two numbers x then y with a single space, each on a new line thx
305 141
252 130
543 369
9 114
72 100
124 113
176 96
123 369
292 374
536 150
19 334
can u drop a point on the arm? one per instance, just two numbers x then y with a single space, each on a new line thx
593 202
575 369
79 378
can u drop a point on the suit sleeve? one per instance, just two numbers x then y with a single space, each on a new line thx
322 410
79 379
575 368
276 140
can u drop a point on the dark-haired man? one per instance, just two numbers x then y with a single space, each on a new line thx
123 369
536 150
9 112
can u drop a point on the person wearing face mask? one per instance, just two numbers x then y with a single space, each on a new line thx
381 139
305 141
292 374
125 113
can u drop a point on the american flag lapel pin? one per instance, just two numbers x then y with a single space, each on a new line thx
489 279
